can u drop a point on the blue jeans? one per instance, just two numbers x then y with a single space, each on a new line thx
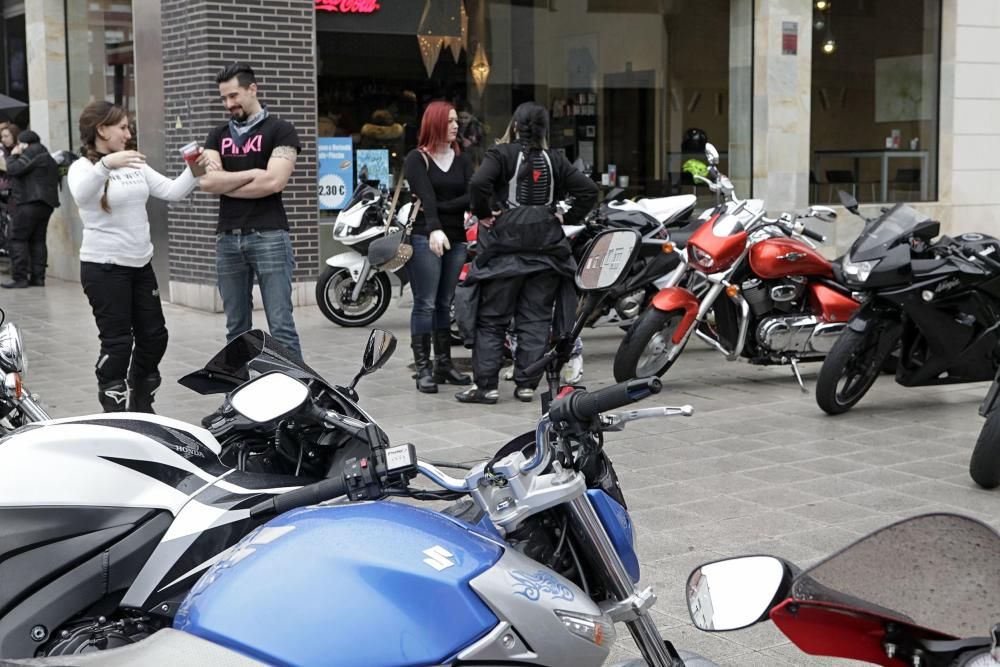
267 255
433 280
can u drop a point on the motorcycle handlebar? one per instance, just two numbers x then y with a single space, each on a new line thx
815 236
327 489
584 406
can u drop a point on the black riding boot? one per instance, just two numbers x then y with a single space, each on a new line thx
421 345
444 370
112 395
143 390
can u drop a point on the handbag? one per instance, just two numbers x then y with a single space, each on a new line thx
391 252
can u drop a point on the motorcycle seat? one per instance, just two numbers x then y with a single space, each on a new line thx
166 647
666 209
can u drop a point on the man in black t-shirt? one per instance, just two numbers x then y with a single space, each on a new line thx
251 159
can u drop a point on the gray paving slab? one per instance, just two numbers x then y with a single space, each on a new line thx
758 468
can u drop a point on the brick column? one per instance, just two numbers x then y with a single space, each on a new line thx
277 40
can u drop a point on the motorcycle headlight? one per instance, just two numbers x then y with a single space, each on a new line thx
341 229
859 271
12 358
700 257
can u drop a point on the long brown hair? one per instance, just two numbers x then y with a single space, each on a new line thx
14 131
98 113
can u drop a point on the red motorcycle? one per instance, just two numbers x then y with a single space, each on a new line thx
923 592
748 285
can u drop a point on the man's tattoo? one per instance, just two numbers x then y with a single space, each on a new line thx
286 153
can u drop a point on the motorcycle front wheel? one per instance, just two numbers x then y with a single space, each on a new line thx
849 371
648 348
984 467
333 295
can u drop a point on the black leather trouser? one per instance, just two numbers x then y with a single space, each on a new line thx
528 300
28 252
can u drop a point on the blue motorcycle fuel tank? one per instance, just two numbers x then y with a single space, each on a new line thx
363 584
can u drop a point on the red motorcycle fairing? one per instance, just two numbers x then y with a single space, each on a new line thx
820 628
781 257
674 298
831 305
724 250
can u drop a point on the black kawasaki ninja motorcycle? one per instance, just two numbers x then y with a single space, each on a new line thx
935 304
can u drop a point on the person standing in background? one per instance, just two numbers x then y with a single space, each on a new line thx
34 178
438 174
257 152
111 187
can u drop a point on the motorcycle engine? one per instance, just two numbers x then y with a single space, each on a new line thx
630 305
787 335
97 634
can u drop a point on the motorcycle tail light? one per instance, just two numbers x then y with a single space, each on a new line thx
700 257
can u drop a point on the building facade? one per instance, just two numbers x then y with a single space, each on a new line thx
893 100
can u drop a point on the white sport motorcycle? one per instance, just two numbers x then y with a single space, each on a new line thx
107 520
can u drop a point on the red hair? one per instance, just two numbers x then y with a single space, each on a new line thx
434 127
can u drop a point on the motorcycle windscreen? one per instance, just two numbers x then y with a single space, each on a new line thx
936 571
231 366
891 229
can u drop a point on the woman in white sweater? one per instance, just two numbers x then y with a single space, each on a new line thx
111 186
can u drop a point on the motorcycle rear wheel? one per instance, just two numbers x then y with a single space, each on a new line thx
336 283
648 348
848 372
984 466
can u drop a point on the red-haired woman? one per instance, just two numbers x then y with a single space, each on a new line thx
439 176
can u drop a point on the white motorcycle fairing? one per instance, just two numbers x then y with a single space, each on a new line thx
107 504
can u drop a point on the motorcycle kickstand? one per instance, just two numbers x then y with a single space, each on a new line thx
798 376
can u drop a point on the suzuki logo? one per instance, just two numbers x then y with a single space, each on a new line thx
439 558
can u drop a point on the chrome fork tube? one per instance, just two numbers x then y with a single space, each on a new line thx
362 279
643 629
32 411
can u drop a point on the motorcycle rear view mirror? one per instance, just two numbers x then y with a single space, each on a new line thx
711 154
735 593
268 397
824 213
849 202
381 344
607 259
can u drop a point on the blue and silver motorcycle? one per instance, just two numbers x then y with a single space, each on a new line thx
535 568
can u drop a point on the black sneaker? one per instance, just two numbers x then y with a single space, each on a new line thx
15 284
476 395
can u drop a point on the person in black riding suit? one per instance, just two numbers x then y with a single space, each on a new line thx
525 265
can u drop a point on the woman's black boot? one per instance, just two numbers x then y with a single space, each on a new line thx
143 390
421 345
113 395
444 370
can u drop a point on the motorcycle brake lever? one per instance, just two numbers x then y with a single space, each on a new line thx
615 421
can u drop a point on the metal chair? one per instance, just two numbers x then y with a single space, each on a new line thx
841 177
906 181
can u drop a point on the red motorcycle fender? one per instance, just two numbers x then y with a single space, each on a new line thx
674 298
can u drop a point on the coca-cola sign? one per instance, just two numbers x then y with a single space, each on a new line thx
348 6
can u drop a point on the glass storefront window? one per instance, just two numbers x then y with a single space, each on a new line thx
101 55
875 74
632 90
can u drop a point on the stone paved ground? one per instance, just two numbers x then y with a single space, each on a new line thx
758 468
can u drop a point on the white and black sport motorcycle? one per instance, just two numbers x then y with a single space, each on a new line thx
18 406
354 289
107 520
